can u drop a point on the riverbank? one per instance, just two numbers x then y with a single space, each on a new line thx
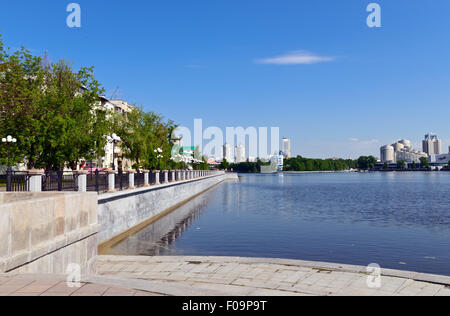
232 276
225 276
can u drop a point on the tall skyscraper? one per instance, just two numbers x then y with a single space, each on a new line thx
228 153
432 145
287 148
240 154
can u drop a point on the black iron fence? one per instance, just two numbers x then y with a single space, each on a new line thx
97 181
139 179
122 180
15 181
59 181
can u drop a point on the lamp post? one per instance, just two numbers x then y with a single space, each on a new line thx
159 151
9 140
114 139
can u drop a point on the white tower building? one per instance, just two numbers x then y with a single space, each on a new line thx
240 154
432 145
228 153
287 147
387 154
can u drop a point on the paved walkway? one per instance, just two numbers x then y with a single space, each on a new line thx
47 285
225 276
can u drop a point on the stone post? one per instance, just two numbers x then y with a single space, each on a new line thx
146 178
178 175
35 181
111 181
82 181
165 174
156 176
131 179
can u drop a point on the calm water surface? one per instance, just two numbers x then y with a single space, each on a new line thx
398 220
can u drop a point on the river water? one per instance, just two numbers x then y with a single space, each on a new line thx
397 220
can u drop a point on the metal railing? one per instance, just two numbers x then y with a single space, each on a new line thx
97 181
59 181
139 179
122 180
15 181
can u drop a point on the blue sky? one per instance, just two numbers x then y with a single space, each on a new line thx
217 60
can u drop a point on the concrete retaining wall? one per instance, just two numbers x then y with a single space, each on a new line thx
47 232
122 211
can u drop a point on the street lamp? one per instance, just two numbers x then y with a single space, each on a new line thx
159 151
114 139
9 140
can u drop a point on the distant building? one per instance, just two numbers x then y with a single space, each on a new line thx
387 154
228 153
121 106
280 162
442 160
240 154
432 145
401 151
286 148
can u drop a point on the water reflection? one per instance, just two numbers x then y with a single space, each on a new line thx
157 238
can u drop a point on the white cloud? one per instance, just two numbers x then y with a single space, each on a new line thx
364 142
295 58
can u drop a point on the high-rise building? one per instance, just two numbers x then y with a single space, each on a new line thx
432 145
228 153
286 148
240 154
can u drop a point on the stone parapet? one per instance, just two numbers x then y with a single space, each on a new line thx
46 232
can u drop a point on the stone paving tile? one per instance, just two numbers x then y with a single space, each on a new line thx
444 292
220 276
37 287
282 277
142 293
61 289
91 290
257 284
117 291
266 292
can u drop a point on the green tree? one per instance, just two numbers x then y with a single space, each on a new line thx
401 164
72 126
50 110
224 164
142 133
424 162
